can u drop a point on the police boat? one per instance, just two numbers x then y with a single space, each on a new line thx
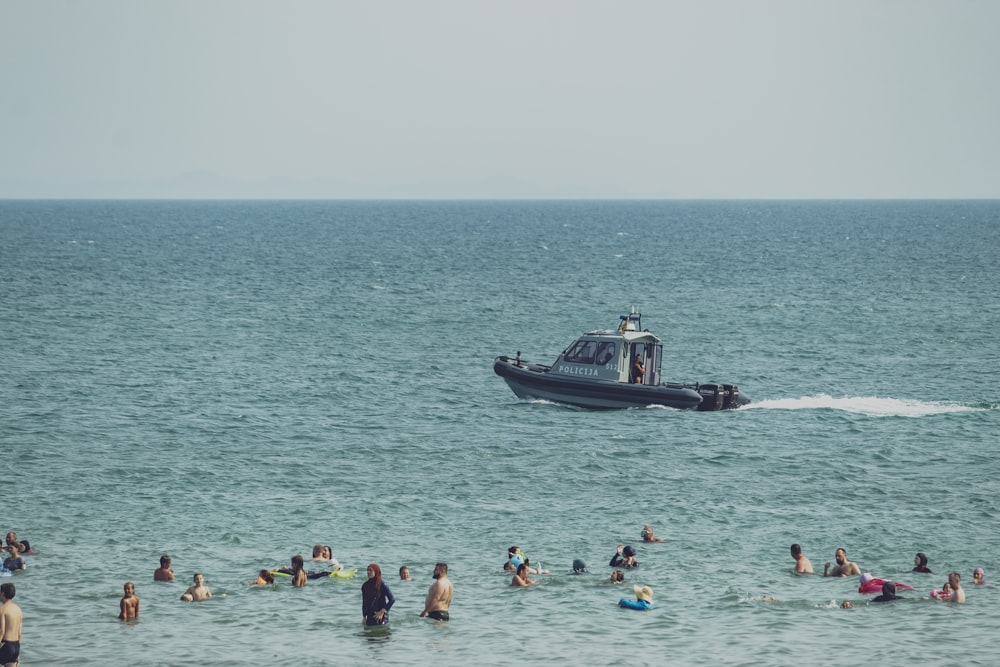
607 369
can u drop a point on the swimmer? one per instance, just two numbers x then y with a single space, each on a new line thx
647 534
844 568
521 577
888 593
10 626
264 578
299 577
977 576
199 591
579 567
802 564
944 593
624 557
514 559
376 598
404 573
643 599
439 595
164 572
617 577
130 604
957 594
14 561
846 604
920 563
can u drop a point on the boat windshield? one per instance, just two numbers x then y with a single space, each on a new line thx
581 352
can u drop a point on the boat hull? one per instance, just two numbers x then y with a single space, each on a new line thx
535 381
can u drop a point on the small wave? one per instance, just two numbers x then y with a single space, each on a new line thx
873 406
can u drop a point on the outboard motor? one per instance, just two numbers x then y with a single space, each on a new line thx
732 399
711 397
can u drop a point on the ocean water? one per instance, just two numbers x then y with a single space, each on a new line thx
230 383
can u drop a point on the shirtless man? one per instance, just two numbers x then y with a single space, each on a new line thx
129 604
521 577
10 626
957 593
197 592
439 595
844 568
802 564
164 572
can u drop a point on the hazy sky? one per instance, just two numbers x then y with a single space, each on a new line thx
500 98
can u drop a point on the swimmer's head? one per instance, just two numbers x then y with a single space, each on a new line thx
978 574
628 551
920 559
579 565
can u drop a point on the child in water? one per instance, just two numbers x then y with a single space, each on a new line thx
264 578
129 604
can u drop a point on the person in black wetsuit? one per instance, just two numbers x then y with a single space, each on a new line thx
624 557
888 593
920 563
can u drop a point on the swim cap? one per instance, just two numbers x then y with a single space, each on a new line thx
579 565
628 551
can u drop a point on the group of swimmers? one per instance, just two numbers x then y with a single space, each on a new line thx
951 590
376 596
624 557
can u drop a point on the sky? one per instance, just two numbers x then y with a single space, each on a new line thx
496 99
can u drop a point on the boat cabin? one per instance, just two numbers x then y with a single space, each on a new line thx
610 355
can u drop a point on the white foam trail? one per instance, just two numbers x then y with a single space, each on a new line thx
873 406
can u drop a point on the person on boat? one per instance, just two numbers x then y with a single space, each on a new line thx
643 599
647 534
164 572
521 577
637 372
376 598
802 564
888 593
920 563
844 567
624 557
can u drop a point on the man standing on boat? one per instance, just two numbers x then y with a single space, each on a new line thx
637 370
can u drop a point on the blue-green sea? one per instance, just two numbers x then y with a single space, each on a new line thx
233 382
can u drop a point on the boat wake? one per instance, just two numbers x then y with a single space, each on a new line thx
872 406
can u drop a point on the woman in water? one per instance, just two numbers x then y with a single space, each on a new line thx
920 563
376 598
